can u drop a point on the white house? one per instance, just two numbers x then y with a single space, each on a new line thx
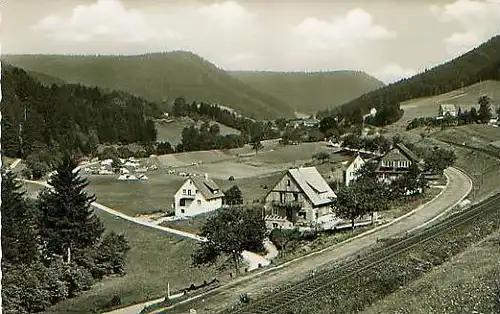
447 109
304 187
351 168
197 195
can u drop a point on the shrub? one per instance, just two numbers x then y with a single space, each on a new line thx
78 279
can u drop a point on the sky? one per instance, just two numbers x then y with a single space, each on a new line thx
388 39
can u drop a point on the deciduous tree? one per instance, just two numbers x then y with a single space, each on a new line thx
233 196
231 231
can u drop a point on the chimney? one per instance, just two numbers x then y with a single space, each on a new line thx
206 176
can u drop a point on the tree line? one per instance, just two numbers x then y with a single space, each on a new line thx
249 128
481 63
42 120
54 246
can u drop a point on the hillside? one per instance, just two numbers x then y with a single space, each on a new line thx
479 64
38 119
158 77
311 92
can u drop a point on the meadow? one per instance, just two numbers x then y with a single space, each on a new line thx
469 282
429 106
155 259
172 131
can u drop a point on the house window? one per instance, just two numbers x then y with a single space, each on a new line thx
189 192
182 202
195 191
296 196
288 183
199 202
183 191
282 197
182 211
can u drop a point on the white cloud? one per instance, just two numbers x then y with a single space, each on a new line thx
479 20
103 20
357 25
393 72
226 14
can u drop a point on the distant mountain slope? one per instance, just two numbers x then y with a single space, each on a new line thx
313 91
45 79
481 63
158 77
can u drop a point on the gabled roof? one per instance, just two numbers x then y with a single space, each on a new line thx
400 152
208 188
313 185
405 150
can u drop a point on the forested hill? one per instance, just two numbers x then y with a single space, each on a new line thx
308 92
481 63
158 77
38 119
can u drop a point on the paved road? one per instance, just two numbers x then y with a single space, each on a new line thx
458 187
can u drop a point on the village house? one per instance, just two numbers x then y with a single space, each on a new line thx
346 171
304 187
447 109
395 163
197 195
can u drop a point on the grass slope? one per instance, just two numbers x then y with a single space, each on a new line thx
154 260
429 106
172 131
469 283
310 92
158 77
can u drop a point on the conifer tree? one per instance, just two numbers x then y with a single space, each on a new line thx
19 238
67 220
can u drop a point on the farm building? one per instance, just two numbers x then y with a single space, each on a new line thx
346 171
396 163
197 195
305 188
447 109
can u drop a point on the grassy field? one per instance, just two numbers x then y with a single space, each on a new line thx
252 174
469 283
133 197
172 131
429 106
154 260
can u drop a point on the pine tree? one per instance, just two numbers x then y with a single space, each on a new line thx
19 234
68 222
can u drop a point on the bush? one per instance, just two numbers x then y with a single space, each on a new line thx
244 298
78 279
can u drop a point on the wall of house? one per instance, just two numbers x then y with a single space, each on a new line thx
286 191
350 172
195 202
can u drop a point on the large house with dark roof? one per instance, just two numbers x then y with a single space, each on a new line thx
197 195
304 187
396 163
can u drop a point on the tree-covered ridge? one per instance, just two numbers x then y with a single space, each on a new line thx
37 118
158 77
308 92
481 63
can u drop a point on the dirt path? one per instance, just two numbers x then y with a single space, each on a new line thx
458 187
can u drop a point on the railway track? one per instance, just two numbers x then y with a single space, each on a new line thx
281 301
